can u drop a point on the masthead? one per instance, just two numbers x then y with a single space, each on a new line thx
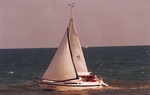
71 5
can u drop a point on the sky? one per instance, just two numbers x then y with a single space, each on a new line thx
42 23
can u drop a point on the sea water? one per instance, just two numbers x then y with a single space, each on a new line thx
125 69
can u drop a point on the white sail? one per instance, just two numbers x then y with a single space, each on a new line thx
76 49
69 59
61 66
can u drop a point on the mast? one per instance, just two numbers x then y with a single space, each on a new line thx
75 47
71 17
71 13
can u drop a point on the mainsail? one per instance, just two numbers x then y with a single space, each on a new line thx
68 59
61 66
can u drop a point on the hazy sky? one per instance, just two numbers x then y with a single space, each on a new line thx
42 23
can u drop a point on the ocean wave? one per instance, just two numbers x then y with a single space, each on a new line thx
34 89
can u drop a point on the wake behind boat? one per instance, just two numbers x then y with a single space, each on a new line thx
68 70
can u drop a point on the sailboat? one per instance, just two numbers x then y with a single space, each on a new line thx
86 46
68 69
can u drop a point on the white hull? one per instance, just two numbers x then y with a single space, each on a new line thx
78 86
68 87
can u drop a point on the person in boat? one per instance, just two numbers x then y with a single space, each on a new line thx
93 78
90 78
